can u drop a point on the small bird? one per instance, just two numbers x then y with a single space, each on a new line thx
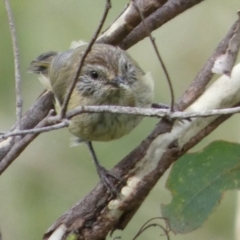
109 76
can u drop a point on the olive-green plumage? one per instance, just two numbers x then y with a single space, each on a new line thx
109 77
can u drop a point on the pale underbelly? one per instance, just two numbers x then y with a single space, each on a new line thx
102 126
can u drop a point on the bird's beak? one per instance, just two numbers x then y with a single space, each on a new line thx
117 81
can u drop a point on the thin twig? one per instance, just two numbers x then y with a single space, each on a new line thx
88 49
203 77
16 64
158 56
57 126
156 19
128 20
164 14
15 151
150 112
152 225
147 225
18 147
147 112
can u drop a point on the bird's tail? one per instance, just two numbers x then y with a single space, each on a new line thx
41 66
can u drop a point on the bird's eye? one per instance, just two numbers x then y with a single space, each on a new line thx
94 75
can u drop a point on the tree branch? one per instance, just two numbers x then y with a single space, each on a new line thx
98 213
16 64
129 17
143 167
31 118
167 12
57 123
88 49
128 20
199 84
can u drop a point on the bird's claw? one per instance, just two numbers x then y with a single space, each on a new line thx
109 179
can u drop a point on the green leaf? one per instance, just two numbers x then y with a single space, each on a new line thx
197 181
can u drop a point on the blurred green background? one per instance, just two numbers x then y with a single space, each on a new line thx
49 176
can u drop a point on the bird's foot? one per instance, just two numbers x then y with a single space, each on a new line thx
109 181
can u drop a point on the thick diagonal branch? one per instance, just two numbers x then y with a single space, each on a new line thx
96 215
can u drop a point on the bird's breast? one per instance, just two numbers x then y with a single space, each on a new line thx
102 126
